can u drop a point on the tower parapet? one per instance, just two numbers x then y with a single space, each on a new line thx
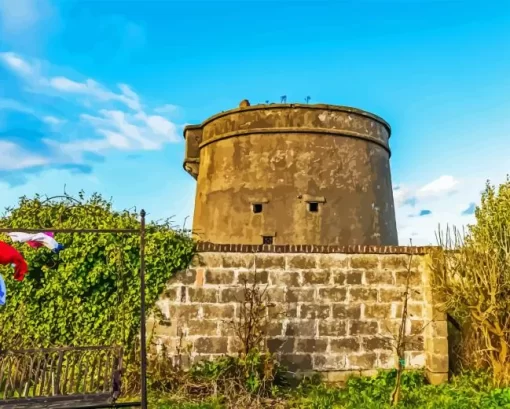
292 174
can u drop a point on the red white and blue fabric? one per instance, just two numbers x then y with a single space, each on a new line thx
37 240
3 291
9 255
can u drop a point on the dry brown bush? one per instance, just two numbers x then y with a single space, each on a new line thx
472 276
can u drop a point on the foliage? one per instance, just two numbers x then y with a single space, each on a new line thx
472 276
243 380
89 293
469 391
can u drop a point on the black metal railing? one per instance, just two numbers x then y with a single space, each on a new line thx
58 372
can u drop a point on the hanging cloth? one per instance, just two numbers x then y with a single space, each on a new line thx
3 291
37 244
9 255
37 240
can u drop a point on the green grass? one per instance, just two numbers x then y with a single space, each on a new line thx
470 391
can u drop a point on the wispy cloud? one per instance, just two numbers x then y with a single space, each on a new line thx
53 120
14 157
166 109
117 118
441 202
443 185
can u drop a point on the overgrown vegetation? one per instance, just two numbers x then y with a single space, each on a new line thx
99 304
469 391
472 276
89 293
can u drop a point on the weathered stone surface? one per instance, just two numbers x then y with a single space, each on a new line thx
211 345
399 262
210 260
285 278
364 360
363 294
282 310
345 345
327 261
297 362
332 328
251 277
379 277
234 260
413 310
377 311
281 345
365 262
338 313
377 342
311 345
301 328
391 295
219 276
274 328
232 294
437 362
329 362
200 327
270 262
300 295
353 277
182 312
203 295
363 328
302 262
218 311
309 311
320 277
343 311
413 277
328 295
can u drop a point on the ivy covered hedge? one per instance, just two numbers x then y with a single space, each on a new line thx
89 293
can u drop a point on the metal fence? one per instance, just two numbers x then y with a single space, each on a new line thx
46 373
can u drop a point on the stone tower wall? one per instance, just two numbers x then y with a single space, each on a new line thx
289 159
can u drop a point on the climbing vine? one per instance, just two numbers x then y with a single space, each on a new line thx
88 294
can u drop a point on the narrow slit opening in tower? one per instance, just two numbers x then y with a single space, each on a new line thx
313 207
267 239
256 207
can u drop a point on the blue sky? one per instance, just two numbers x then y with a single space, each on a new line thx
94 94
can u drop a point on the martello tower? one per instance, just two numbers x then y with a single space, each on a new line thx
292 174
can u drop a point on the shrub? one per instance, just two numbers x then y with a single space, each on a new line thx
88 294
472 276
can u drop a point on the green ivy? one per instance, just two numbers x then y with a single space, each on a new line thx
88 294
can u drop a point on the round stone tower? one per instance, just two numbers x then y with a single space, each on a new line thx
292 174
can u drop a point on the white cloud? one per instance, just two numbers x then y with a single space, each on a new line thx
17 64
52 120
132 129
40 83
13 157
443 185
93 89
166 109
401 195
412 205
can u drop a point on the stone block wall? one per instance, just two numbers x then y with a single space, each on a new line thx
335 310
